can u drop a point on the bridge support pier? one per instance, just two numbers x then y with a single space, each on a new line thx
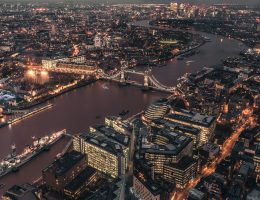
146 82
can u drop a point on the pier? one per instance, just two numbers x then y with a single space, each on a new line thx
150 82
26 114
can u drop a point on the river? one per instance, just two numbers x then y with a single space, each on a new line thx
78 109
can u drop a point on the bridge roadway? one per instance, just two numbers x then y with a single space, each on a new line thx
135 72
150 82
72 71
136 84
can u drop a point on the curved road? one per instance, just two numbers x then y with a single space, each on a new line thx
211 53
77 110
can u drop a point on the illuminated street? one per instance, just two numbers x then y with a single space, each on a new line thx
129 100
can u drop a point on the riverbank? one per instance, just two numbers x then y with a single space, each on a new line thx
77 110
42 101
29 113
151 24
28 155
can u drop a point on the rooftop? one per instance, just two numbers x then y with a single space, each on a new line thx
80 179
176 126
150 184
174 142
65 163
184 163
254 194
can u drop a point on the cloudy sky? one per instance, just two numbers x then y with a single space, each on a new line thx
191 1
249 2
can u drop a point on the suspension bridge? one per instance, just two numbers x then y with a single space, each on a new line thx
149 81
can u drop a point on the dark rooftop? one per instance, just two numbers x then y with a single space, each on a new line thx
184 163
192 117
107 143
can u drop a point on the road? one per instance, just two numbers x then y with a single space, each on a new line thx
226 150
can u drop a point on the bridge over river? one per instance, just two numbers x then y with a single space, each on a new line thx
77 110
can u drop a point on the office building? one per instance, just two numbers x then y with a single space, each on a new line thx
22 192
79 185
205 123
156 110
146 188
164 147
117 124
174 7
182 172
106 150
189 131
99 41
63 170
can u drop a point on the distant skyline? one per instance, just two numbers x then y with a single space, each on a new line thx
246 2
185 1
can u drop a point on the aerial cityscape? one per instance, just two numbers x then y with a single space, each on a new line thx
129 100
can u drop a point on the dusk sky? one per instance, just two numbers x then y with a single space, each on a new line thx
251 2
185 1
129 99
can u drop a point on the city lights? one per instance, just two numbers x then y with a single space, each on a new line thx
161 100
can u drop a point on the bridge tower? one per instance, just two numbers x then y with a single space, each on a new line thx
122 76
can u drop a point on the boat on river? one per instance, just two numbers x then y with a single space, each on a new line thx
207 39
105 87
29 113
124 112
2 185
13 161
189 62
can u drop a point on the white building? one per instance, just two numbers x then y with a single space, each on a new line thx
98 41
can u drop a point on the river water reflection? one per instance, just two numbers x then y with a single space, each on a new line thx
78 109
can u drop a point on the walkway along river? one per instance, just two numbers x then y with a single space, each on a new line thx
78 109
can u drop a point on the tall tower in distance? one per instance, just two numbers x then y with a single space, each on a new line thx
174 7
53 30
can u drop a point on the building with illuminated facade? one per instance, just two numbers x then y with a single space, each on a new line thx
257 160
117 124
156 110
189 131
63 170
49 63
22 192
257 101
80 184
146 187
106 150
165 146
99 41
206 124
